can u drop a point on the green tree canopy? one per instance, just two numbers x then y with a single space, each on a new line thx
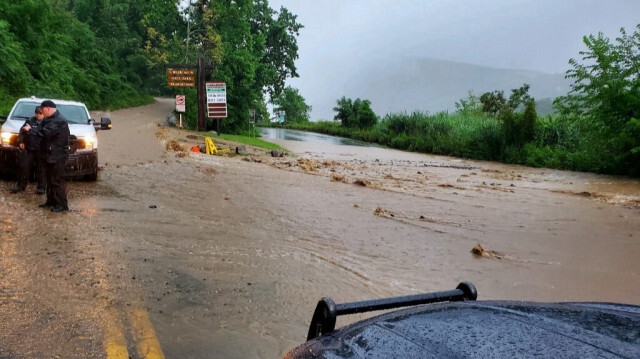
606 95
607 83
60 56
293 104
356 114
252 47
494 102
113 53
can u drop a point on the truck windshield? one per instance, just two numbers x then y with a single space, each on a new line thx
73 113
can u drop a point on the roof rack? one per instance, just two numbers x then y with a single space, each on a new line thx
324 317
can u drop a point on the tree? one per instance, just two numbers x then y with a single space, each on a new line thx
355 114
293 104
469 105
517 128
280 49
529 121
519 97
62 55
607 86
13 72
252 47
493 102
606 94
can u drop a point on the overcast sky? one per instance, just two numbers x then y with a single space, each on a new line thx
539 35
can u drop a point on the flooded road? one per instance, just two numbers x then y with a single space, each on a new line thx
304 136
226 256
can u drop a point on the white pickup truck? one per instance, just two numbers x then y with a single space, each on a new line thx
83 142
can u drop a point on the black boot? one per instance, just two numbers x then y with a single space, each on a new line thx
59 208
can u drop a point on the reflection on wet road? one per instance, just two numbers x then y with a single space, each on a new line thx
304 136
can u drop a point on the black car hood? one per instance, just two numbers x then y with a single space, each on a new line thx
487 329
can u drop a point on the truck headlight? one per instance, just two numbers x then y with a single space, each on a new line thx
9 138
89 141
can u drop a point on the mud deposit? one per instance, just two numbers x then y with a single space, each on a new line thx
228 255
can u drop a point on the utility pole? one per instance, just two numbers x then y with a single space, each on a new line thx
201 93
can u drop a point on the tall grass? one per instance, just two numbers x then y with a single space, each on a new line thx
462 135
558 142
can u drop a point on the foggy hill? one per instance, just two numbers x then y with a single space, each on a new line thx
405 85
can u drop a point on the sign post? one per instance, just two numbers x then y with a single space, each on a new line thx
216 101
180 106
252 119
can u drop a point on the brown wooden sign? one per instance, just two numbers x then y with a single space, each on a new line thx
217 110
181 84
188 72
181 78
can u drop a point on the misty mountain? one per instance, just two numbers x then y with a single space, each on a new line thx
409 84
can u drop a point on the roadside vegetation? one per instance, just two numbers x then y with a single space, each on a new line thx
115 53
251 141
595 128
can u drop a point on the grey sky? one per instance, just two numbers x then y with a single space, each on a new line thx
542 35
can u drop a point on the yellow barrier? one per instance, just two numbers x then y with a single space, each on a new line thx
210 147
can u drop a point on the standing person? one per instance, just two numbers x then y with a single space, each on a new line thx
55 146
29 144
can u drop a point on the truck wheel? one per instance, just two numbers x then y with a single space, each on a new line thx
92 177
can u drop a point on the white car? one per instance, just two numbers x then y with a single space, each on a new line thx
83 142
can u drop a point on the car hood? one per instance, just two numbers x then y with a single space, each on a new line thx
12 125
78 130
487 329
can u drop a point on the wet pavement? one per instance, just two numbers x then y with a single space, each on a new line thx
304 136
226 256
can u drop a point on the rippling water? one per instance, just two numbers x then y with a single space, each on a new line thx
303 136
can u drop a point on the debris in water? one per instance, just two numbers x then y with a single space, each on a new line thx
478 250
277 153
173 145
307 165
338 178
362 182
383 213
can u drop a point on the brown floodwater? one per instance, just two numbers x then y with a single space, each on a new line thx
229 255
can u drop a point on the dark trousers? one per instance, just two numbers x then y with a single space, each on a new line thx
26 160
56 185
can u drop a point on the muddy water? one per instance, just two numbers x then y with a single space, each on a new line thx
229 256
304 136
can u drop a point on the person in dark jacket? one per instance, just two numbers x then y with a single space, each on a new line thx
55 146
29 144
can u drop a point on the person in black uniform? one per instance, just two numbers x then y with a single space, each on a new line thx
29 143
55 146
